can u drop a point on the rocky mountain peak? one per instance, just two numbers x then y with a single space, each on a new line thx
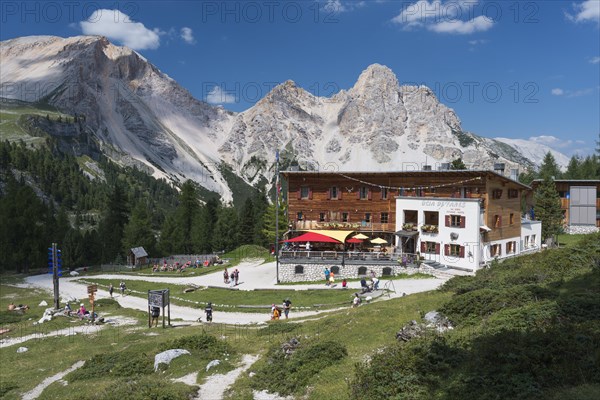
376 78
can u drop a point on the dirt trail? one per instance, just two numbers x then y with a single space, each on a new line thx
37 391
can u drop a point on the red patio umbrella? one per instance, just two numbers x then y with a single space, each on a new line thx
313 237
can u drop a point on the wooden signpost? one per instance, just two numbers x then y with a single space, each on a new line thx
92 289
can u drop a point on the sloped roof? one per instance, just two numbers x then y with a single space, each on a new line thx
139 252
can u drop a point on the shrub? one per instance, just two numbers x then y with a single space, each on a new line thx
121 364
277 329
107 303
207 346
291 374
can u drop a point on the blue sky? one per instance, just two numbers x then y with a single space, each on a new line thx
517 69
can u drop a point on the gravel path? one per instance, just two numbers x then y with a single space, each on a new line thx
253 275
215 385
37 391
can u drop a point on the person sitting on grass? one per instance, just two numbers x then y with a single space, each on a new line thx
355 300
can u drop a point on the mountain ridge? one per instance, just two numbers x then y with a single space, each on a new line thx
133 107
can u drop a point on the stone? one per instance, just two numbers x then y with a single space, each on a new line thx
167 356
74 273
43 303
290 346
22 349
213 363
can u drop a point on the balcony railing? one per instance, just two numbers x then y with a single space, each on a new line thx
353 226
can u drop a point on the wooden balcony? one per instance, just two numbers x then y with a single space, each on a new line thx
349 226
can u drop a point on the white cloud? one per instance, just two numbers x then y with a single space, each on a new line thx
477 24
218 96
337 6
574 93
119 27
440 17
589 10
551 141
595 60
478 41
188 35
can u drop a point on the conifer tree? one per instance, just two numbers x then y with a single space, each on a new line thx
547 208
549 168
138 231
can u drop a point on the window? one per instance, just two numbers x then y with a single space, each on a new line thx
511 247
495 250
455 221
299 269
384 193
532 241
455 250
430 248
299 216
367 217
387 271
334 193
513 194
304 192
497 221
363 193
335 270
344 217
362 271
322 217
497 194
511 219
384 218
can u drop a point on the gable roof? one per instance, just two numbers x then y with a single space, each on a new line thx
139 252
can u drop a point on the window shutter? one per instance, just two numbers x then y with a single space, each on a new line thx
299 193
447 249
423 247
358 194
329 194
309 193
369 194
339 193
447 220
463 221
437 248
461 252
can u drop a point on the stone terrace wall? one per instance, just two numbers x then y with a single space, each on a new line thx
314 272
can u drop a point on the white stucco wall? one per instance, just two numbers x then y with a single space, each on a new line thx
469 236
528 229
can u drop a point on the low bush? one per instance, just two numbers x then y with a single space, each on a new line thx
277 329
292 373
121 364
108 303
139 388
207 346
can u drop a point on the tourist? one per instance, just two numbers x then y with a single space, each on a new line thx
375 283
236 275
155 312
208 310
363 285
327 273
82 311
111 289
226 276
274 312
355 300
331 278
344 283
122 287
287 304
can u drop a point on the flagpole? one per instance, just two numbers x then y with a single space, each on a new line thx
277 214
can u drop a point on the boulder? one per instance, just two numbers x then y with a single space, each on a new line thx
290 346
167 356
211 364
22 349
43 303
410 331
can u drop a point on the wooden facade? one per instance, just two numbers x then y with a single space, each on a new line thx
366 201
563 187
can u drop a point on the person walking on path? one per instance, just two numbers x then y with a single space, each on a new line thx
287 304
122 288
236 275
111 289
327 274
208 310
225 276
